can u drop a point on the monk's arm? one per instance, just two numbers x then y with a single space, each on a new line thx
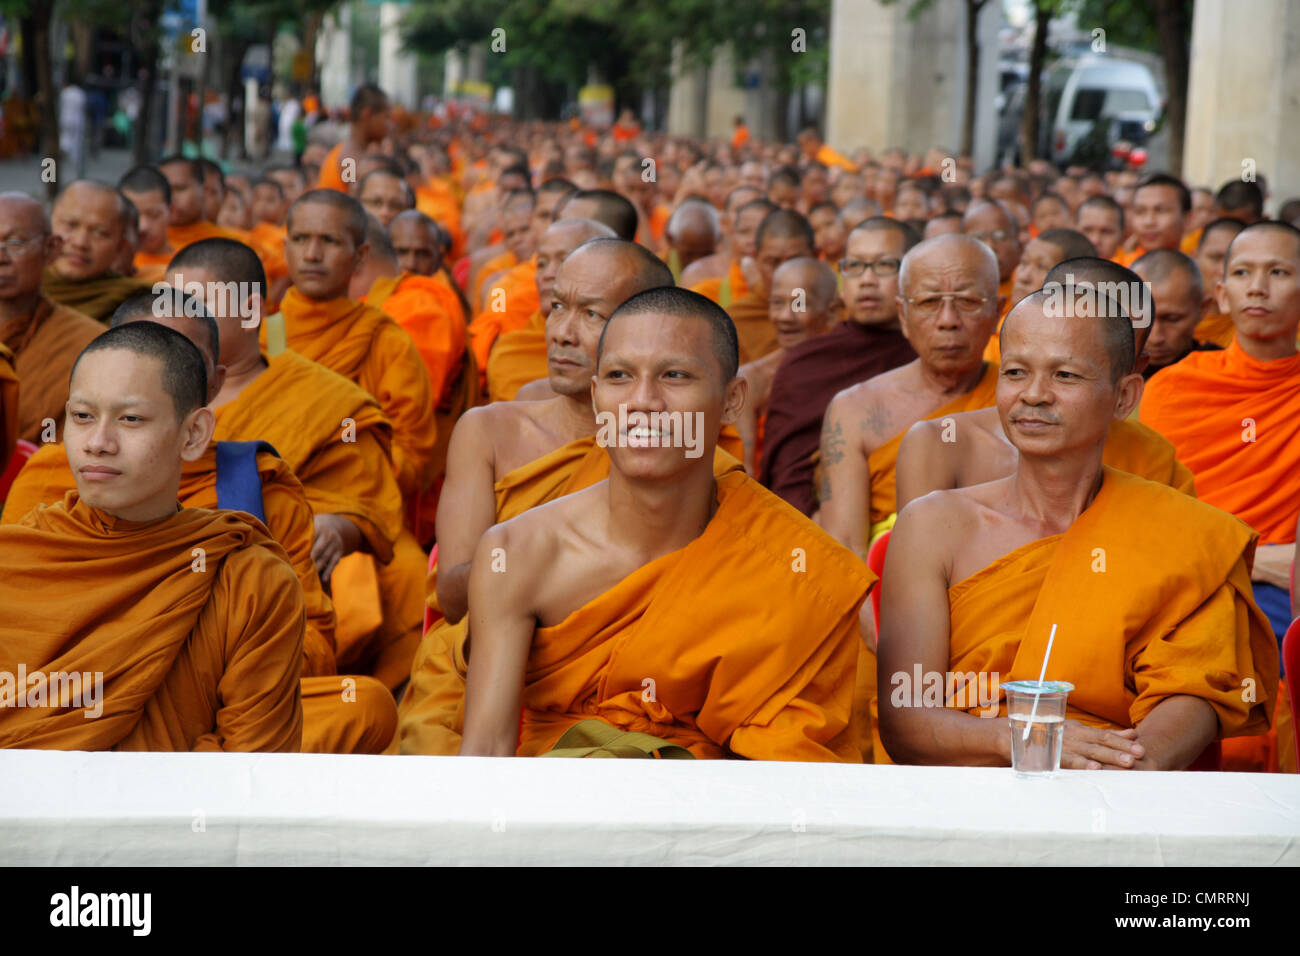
914 636
920 464
466 509
407 399
1273 566
1176 732
501 629
845 491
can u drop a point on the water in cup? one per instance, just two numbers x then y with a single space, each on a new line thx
1041 752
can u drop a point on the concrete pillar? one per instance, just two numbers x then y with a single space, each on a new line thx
398 75
1244 95
687 97
725 98
901 82
453 72
334 54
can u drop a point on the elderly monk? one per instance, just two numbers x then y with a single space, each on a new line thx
867 343
741 275
1234 415
519 357
593 602
149 191
1179 302
338 444
43 337
783 235
1041 254
1211 251
804 303
709 275
1150 588
248 477
992 223
326 245
1160 206
371 120
692 232
419 243
510 456
1101 220
944 224
948 306
90 220
190 620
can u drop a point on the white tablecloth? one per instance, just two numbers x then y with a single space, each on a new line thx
170 809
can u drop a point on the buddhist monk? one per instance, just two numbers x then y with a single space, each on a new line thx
691 233
149 191
944 224
715 267
1234 415
1101 219
600 205
1211 251
867 343
371 120
1160 206
1240 200
188 222
993 224
1180 302
519 357
742 682
293 183
43 336
384 194
804 302
970 448
784 234
90 220
736 280
783 188
1038 257
510 456
1049 211
189 620
1144 590
828 232
270 204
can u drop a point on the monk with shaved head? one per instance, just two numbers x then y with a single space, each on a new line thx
992 223
803 303
692 233
1144 591
43 337
1211 252
384 193
783 234
189 619
1179 301
150 193
726 278
595 578
1042 253
91 221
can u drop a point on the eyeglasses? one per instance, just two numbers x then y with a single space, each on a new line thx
997 235
881 267
929 305
16 247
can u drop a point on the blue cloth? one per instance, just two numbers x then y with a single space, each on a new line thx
1276 603
239 486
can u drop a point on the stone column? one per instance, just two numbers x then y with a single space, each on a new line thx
398 75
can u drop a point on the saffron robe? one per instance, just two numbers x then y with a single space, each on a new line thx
518 358
419 305
45 344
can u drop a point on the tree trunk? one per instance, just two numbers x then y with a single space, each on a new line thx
144 37
47 99
973 8
1029 133
311 29
1171 21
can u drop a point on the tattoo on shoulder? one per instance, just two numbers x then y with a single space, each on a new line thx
832 443
878 421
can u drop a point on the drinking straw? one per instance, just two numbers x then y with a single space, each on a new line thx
1041 674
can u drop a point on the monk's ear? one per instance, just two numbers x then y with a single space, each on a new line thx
196 433
1221 297
733 402
1128 394
53 246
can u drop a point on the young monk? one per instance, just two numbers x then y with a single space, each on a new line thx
43 337
1101 220
194 618
1040 255
149 191
804 303
1161 204
867 343
948 305
784 234
371 122
1149 588
510 456
722 277
591 603
1211 252
519 357
970 448
90 220
188 223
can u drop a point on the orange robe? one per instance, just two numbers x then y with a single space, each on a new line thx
194 621
149 265
883 460
331 170
1217 328
1235 422
725 289
364 345
749 659
45 344
518 358
178 237
511 301
8 407
1171 614
753 326
437 200
432 711
993 351
419 304
829 156
499 263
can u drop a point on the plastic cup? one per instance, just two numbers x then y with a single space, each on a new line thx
1039 755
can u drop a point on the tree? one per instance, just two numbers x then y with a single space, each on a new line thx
1029 125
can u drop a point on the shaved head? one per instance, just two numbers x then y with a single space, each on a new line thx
355 220
1111 320
193 321
959 251
417 242
184 377
684 303
812 275
560 239
1160 265
1112 281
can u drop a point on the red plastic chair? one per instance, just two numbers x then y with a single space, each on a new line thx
876 562
22 451
428 611
1291 664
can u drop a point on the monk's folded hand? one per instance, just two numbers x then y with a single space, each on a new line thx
1087 748
336 536
1273 564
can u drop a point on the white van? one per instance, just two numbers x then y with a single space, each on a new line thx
1080 90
